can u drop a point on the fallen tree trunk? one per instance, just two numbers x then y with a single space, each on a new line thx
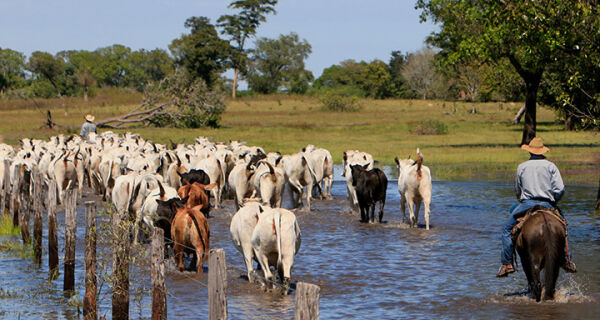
134 116
519 115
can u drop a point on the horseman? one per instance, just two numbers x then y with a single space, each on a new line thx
538 182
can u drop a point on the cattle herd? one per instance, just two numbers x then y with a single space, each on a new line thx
172 188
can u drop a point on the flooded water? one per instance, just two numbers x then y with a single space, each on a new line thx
366 271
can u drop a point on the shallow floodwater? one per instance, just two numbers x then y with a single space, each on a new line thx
366 271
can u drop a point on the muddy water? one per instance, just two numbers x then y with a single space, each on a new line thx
366 271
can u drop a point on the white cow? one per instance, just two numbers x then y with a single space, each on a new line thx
241 228
212 167
269 182
321 162
238 181
276 240
414 186
299 174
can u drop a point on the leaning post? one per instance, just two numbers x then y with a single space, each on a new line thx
70 239
38 184
159 298
52 236
91 281
217 285
307 301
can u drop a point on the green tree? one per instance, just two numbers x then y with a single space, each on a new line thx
202 53
396 64
112 65
148 66
531 34
419 73
278 62
45 66
241 26
377 80
347 77
12 69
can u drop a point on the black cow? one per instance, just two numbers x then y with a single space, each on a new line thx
371 186
194 175
165 212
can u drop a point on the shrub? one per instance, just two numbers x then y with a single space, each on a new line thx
340 103
429 127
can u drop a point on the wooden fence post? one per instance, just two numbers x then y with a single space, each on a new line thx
70 239
52 236
5 186
307 301
217 285
14 195
120 297
26 205
38 185
159 298
91 282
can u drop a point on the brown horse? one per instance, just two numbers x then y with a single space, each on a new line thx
541 245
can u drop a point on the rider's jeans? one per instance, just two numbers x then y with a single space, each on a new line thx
517 210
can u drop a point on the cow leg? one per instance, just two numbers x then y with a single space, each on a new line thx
382 204
285 271
296 189
412 219
309 188
264 265
178 249
403 207
426 203
248 259
417 209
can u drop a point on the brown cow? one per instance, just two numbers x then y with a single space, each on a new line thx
198 198
191 235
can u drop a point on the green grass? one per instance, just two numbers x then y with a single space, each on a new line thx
480 146
7 228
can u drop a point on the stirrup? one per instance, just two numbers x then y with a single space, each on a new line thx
505 270
570 267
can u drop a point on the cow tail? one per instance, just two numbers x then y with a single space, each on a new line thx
199 260
271 172
222 175
419 163
277 223
133 195
161 190
312 172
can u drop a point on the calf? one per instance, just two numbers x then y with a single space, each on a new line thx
165 212
196 194
190 230
414 186
370 188
352 157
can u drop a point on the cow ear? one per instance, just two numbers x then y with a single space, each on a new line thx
366 166
260 208
397 161
277 161
304 149
180 203
408 157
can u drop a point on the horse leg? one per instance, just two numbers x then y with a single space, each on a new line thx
535 284
381 209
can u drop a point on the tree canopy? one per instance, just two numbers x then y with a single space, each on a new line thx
530 34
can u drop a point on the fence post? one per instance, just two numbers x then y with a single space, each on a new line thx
70 238
5 186
120 297
38 185
217 285
159 298
307 301
91 285
52 236
14 195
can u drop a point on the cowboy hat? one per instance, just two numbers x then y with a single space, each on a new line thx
89 117
536 146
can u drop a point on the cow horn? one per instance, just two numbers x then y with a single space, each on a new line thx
162 190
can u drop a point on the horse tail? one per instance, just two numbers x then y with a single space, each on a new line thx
552 261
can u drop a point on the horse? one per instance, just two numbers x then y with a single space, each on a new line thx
541 245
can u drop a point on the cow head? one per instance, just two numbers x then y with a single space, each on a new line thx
166 210
356 170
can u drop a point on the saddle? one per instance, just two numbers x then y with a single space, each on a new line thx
554 213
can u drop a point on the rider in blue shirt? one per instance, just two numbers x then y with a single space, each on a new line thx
538 182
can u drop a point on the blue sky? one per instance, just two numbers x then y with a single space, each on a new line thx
336 29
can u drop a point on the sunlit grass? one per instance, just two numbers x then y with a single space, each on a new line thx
480 146
7 228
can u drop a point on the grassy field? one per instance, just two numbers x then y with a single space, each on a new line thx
480 146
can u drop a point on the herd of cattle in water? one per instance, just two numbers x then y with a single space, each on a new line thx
170 188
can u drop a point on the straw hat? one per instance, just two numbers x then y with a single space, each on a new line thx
536 146
89 117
